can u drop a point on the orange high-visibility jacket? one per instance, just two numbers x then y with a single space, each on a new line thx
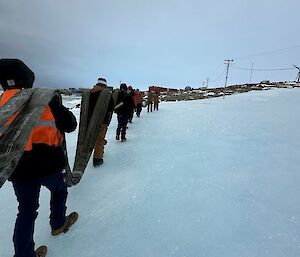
44 132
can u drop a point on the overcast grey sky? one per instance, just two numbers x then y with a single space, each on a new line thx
169 43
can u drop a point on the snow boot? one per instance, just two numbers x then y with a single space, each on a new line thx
117 137
41 251
97 162
70 220
123 139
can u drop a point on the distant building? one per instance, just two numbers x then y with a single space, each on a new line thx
162 89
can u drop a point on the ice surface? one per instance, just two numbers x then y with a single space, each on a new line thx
210 178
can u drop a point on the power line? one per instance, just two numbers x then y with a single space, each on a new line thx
216 69
257 54
267 52
219 76
243 68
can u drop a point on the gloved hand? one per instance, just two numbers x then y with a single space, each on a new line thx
56 100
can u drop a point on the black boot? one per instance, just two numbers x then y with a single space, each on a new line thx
41 251
97 162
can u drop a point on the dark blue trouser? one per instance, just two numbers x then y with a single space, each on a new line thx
122 124
28 197
138 109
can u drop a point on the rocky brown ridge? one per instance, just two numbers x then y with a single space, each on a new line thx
203 93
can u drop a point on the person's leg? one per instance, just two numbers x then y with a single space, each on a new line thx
124 122
132 113
58 188
119 127
139 110
131 116
99 146
27 194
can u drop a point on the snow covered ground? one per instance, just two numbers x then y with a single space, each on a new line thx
210 178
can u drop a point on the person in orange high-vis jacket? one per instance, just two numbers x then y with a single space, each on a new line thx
41 163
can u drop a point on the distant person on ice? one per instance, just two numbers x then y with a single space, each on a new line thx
150 101
131 92
41 164
123 108
139 102
100 142
155 98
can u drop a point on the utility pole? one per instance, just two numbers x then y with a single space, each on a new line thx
207 82
298 76
227 70
251 72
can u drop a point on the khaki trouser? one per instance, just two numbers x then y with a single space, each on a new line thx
99 146
150 104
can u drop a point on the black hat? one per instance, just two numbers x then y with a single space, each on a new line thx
15 74
123 86
102 82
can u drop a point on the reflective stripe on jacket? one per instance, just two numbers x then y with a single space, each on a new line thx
44 132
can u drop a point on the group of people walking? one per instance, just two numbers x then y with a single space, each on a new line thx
44 160
128 101
124 102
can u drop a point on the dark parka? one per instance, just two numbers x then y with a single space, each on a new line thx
126 108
